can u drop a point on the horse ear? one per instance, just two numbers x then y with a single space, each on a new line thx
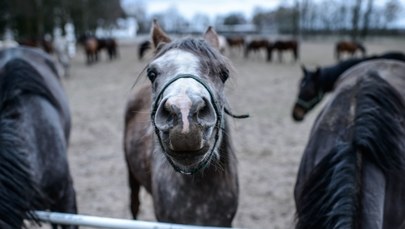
158 35
211 37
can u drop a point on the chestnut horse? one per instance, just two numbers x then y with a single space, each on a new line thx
177 141
315 84
352 170
34 134
350 47
282 46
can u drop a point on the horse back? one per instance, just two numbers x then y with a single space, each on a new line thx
138 135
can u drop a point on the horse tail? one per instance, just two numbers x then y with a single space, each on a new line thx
331 196
20 194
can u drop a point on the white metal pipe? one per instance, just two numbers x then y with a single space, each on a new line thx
112 223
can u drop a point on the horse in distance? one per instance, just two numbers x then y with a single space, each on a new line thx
314 85
256 45
350 47
351 172
34 135
177 141
281 46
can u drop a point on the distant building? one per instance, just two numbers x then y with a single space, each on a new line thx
125 29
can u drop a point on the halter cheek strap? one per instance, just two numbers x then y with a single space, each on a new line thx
219 111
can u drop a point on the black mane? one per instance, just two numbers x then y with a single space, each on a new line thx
330 197
17 78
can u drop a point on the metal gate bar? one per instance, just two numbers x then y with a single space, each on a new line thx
112 223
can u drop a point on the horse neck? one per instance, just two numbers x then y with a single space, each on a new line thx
329 75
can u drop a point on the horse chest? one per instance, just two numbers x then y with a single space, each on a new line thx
198 200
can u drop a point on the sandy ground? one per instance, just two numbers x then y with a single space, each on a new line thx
268 145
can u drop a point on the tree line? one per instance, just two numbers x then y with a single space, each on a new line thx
34 18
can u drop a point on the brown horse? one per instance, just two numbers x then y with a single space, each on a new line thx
110 45
350 47
44 43
282 46
177 141
235 42
90 46
352 170
256 45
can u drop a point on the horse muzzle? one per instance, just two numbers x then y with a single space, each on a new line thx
298 113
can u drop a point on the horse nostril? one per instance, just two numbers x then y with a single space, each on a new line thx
205 113
165 115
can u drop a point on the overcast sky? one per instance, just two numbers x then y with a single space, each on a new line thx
212 8
188 8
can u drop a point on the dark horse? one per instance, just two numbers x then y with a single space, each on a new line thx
352 170
143 47
34 134
350 47
315 84
256 45
282 46
110 45
177 142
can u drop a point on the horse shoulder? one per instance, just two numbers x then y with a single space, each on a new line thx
138 135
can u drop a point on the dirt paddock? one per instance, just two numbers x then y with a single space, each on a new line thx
268 145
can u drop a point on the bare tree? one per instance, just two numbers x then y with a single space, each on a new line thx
356 19
366 18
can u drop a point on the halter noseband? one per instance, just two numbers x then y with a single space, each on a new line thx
219 111
311 103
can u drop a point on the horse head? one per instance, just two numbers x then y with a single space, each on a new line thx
188 77
310 93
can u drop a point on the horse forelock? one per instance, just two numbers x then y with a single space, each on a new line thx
212 62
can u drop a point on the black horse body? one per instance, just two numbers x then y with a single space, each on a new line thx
351 172
315 84
34 134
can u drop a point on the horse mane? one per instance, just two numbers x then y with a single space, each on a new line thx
331 196
17 78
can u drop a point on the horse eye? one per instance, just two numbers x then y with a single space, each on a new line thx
224 75
152 74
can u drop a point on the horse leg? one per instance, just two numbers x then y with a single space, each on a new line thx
134 196
280 56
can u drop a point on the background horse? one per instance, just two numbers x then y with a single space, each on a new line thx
351 172
282 46
256 45
315 84
237 42
143 47
350 47
34 135
110 45
90 46
176 141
